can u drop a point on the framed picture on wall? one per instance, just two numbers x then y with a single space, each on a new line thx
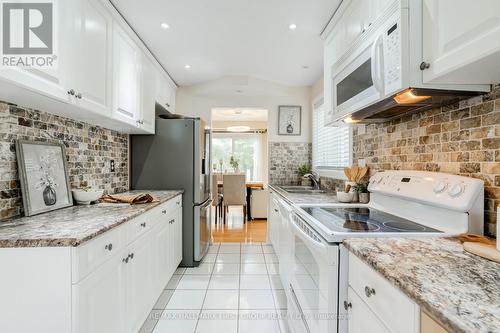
289 119
44 177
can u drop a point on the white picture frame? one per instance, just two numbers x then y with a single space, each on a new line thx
289 120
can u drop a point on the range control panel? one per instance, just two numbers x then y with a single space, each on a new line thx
435 188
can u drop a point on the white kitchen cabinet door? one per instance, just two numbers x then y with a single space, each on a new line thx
274 220
99 299
165 94
163 263
148 95
92 60
140 281
126 59
177 234
361 318
461 41
50 82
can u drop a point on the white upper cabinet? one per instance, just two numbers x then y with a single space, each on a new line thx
92 61
461 41
148 95
51 82
126 59
165 94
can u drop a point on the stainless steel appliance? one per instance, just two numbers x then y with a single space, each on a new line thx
178 157
381 76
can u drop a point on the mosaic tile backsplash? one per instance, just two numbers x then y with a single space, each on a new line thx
462 138
89 151
285 159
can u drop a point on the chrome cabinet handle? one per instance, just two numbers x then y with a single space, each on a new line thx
164 212
347 306
275 210
143 224
131 255
369 291
109 247
71 92
171 221
79 95
125 260
424 65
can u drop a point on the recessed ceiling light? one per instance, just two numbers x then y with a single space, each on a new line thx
292 26
187 66
305 67
165 25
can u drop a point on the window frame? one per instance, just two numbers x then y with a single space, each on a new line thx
331 172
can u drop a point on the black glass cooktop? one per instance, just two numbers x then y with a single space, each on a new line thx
364 219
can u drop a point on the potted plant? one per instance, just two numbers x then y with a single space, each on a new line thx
233 162
362 190
304 169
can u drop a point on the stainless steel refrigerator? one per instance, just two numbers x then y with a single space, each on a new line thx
178 157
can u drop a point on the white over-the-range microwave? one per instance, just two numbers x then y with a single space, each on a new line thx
380 76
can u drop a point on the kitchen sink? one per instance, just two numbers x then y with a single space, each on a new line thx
301 189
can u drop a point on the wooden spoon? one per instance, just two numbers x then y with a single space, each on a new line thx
362 173
355 173
347 173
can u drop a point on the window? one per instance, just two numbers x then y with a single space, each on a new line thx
246 149
331 145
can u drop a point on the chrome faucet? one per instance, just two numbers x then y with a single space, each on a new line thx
314 177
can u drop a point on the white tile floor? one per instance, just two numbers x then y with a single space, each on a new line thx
236 289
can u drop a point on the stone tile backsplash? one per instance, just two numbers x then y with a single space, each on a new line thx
284 160
89 151
462 138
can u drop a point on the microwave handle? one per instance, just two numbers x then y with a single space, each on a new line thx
377 78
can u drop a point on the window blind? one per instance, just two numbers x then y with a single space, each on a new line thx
331 145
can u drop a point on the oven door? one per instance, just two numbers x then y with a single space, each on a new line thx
360 80
313 288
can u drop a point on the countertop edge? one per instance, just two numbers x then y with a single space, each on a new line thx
75 242
434 313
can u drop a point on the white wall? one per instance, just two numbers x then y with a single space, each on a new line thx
243 91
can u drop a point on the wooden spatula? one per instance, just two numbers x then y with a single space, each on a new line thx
347 172
362 173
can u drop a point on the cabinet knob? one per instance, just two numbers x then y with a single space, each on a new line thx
125 260
71 92
424 65
79 95
131 255
171 221
143 224
109 247
347 305
168 105
369 291
275 210
164 212
178 203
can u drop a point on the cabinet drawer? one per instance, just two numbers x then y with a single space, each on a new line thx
87 257
394 309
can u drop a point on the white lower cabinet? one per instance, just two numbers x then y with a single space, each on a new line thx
375 305
274 219
106 285
99 300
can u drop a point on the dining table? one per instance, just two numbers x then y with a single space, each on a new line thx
250 185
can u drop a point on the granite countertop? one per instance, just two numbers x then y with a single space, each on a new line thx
74 225
306 198
458 289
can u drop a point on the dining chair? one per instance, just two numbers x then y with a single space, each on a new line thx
217 198
234 192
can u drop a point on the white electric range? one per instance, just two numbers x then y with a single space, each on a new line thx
403 204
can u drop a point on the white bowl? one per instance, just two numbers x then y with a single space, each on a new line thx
345 197
85 197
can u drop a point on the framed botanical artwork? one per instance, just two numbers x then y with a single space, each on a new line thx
289 120
44 177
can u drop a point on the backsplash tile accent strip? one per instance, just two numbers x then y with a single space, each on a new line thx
462 138
284 160
89 150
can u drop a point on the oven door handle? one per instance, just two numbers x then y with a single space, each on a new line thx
305 237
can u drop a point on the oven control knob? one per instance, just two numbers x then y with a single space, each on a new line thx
439 187
456 190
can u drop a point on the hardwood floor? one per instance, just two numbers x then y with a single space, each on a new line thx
234 231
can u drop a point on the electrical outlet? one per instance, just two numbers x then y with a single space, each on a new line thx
112 165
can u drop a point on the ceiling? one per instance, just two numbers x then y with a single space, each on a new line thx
239 114
218 38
